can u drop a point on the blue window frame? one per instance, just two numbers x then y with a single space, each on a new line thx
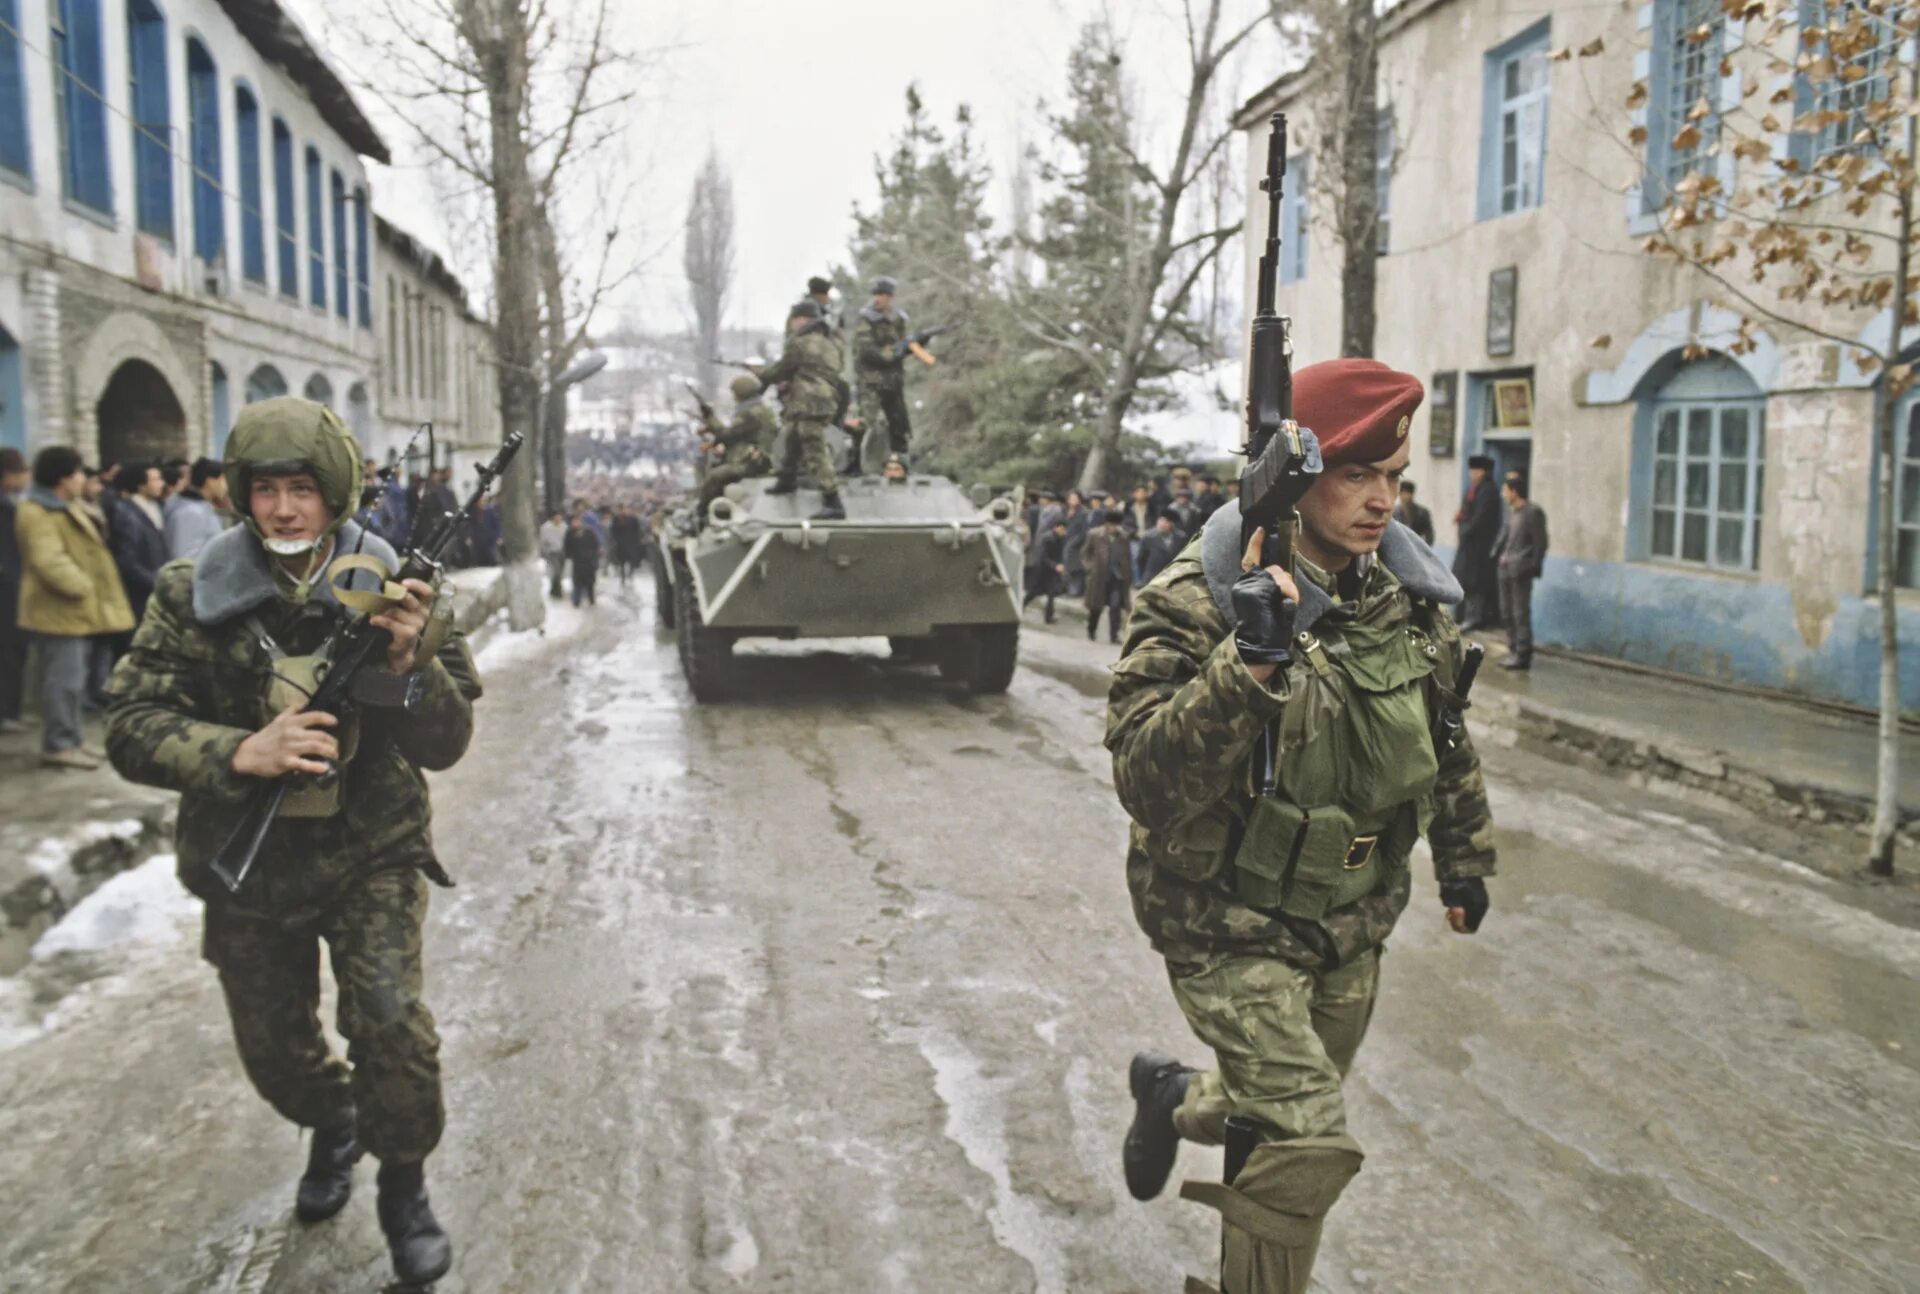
16 152
203 148
1685 70
222 407
253 219
362 258
1513 132
264 383
341 305
1835 107
152 118
1383 145
1293 219
286 236
80 61
13 390
316 232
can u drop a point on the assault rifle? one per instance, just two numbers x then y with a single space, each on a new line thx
1283 458
700 401
1449 729
751 366
353 650
916 345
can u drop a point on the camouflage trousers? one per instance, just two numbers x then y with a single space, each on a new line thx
808 456
1283 1038
389 1087
723 474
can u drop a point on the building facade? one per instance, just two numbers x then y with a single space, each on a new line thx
185 224
436 364
1711 494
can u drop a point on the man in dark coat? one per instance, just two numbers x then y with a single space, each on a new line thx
13 639
1521 554
1107 559
1047 576
582 549
1412 515
1160 546
1479 526
1080 520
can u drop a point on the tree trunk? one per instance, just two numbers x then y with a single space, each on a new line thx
553 429
1359 202
497 36
1886 798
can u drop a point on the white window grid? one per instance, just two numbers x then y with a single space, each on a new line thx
1521 80
1906 569
1837 94
1693 74
1383 181
1709 467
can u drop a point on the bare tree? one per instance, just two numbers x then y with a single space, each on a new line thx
510 95
708 261
1346 135
1158 278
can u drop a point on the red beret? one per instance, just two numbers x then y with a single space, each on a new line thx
1358 408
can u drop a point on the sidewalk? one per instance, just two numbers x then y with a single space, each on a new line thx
1768 754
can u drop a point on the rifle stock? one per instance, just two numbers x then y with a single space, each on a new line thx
354 647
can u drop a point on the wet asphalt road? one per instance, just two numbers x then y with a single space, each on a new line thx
832 989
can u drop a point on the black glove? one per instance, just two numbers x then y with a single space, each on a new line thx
1264 616
1470 893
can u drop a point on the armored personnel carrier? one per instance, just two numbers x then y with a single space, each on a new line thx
935 571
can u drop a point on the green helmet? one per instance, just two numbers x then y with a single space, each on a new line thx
745 387
288 434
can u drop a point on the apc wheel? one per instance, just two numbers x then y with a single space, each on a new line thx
663 594
706 655
980 656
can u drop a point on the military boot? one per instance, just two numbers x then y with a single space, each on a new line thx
421 1251
328 1181
830 507
783 483
1159 1084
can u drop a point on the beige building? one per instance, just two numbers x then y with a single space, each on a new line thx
436 362
1709 516
184 224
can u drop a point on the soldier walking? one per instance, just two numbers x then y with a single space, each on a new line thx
1272 738
206 703
879 357
815 398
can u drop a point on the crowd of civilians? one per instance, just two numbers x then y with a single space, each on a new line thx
576 544
81 548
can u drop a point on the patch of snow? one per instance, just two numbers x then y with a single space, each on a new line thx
143 905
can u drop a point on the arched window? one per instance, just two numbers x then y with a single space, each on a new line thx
16 149
81 99
319 389
152 118
203 129
1704 447
253 219
264 383
362 258
222 408
341 305
316 232
285 236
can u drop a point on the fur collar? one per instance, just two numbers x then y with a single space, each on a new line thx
231 576
46 498
1417 567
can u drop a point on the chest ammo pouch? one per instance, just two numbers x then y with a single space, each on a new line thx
1346 774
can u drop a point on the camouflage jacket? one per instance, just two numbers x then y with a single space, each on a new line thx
1183 719
811 364
753 427
874 338
193 687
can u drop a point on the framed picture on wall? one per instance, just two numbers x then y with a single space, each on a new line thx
1503 291
1513 404
1441 425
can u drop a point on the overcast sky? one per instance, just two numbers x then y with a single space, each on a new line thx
799 98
